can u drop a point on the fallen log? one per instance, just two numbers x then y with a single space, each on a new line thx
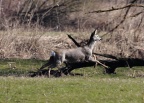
109 65
44 72
112 64
123 62
62 71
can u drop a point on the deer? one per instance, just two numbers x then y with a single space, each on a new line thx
74 55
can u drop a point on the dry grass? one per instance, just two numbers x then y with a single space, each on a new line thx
26 41
31 43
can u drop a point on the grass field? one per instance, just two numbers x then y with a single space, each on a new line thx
92 87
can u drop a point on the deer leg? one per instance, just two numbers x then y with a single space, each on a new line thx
95 58
49 70
50 62
45 65
91 59
59 65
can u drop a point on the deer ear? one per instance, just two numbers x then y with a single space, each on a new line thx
95 31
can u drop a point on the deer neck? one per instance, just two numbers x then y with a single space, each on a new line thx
91 44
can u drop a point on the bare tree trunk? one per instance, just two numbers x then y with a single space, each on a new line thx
1 8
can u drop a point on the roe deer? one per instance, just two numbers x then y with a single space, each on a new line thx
74 55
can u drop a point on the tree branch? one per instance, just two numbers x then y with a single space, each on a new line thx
117 8
125 15
75 42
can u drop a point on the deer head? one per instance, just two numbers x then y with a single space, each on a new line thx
94 37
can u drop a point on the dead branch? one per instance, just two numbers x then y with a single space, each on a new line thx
137 14
122 21
109 65
103 55
117 8
75 42
128 7
78 45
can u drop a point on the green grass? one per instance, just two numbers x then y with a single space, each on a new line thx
22 66
92 87
71 90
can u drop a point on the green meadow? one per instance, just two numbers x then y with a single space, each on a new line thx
93 87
